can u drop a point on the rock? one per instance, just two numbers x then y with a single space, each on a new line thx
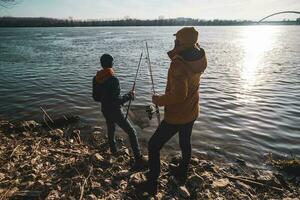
241 161
108 181
31 124
29 177
99 161
91 197
123 184
220 183
126 151
122 174
98 158
183 192
2 176
208 177
97 128
194 161
208 166
137 177
53 195
195 181
56 134
26 194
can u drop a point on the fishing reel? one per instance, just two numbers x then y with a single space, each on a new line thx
150 110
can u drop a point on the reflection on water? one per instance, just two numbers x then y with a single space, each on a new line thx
250 92
256 42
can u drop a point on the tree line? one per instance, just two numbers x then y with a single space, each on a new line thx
51 22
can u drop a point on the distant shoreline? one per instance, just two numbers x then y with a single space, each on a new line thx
51 22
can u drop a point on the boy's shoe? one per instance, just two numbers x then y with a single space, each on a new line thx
149 186
179 173
139 164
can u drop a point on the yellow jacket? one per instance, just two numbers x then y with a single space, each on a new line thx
181 98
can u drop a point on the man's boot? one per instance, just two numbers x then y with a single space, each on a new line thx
140 163
149 186
180 173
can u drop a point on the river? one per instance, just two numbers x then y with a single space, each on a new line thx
249 94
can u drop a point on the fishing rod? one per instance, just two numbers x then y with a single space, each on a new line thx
152 82
283 12
134 83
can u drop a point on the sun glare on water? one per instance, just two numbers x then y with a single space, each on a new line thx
256 42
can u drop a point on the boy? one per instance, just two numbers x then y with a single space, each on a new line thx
106 89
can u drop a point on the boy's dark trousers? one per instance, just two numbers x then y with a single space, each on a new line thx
164 133
116 116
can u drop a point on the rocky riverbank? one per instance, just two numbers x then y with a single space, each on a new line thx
45 163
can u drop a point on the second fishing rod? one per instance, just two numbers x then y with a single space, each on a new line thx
134 83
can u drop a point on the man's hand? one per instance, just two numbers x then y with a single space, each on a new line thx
155 99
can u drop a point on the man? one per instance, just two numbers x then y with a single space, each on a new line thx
106 89
181 102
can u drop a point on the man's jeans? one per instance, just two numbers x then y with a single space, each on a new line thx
163 134
114 117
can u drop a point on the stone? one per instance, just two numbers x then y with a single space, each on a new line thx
97 157
123 184
91 197
108 181
194 161
99 161
2 176
29 177
241 161
220 183
207 176
53 195
137 177
183 192
122 174
195 181
31 124
56 134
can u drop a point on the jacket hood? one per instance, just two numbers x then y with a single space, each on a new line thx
194 58
104 74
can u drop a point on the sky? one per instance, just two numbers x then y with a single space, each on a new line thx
152 9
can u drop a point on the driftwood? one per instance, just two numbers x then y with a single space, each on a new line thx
52 123
26 194
61 151
253 182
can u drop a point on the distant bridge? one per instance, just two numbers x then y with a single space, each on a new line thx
278 13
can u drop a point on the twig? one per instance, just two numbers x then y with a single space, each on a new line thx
44 111
67 153
254 182
12 153
7 191
84 183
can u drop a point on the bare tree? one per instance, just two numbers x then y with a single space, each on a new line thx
8 3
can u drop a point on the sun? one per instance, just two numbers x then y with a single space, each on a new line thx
256 43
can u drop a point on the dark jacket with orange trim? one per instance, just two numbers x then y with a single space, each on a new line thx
181 98
106 89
